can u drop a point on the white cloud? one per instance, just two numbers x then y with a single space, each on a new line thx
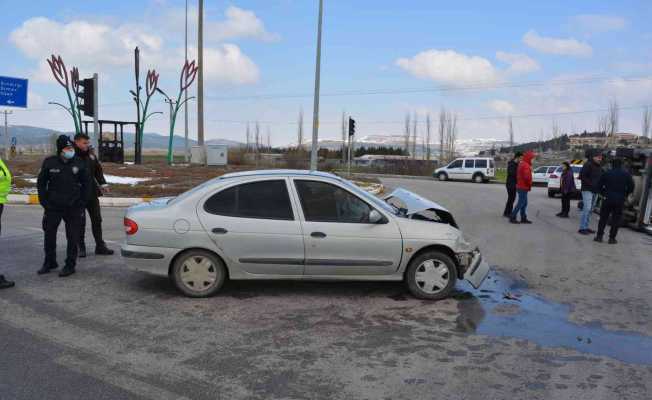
518 63
101 48
502 106
594 23
450 67
550 45
239 23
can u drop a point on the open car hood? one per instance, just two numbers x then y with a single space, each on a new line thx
415 206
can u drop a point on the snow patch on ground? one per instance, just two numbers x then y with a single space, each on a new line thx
120 180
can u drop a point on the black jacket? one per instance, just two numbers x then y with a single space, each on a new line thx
615 185
512 168
62 184
95 172
590 175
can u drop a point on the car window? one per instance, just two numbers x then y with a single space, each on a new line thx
455 164
265 200
576 169
551 170
481 163
559 169
468 163
323 202
540 170
491 163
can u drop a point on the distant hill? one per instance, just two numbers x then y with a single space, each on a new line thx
35 136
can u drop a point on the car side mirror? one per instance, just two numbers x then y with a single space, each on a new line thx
375 217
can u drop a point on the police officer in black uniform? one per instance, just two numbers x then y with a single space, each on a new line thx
97 185
62 189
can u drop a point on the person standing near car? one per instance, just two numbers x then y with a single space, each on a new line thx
615 186
589 175
523 186
62 190
97 187
5 188
567 188
510 183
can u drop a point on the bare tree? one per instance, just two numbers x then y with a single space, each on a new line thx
257 144
248 139
269 138
555 134
442 135
451 134
406 134
612 120
414 136
428 137
647 119
300 130
511 133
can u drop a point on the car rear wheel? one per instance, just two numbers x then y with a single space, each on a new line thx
442 176
198 273
478 178
431 276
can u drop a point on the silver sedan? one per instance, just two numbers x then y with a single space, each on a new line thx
289 224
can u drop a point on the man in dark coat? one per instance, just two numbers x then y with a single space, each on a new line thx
615 186
510 183
589 175
97 185
62 184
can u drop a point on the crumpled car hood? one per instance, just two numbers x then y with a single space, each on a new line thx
414 202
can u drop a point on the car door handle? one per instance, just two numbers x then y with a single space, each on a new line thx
219 231
318 235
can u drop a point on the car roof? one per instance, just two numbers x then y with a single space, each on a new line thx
279 172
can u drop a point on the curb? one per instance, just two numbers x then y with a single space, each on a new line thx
32 199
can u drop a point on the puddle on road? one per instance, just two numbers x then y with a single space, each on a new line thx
504 308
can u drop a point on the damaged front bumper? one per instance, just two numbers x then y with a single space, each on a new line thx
476 270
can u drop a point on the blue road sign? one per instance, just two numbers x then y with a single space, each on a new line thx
13 92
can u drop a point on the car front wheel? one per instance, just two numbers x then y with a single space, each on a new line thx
442 176
478 178
431 276
198 273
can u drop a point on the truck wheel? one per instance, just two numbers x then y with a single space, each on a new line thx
431 276
198 273
478 178
442 176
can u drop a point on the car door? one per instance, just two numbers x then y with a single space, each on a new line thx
454 169
468 170
340 240
254 225
539 175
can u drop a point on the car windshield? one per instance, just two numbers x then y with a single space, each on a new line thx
192 191
375 201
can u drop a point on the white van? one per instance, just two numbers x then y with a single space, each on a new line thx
476 169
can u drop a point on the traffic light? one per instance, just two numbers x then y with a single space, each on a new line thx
87 97
351 126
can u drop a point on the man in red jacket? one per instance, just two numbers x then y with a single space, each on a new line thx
523 186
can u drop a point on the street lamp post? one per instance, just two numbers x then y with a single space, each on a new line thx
185 106
314 158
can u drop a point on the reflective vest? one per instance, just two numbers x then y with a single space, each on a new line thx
5 182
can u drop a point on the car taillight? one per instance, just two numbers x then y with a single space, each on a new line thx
131 227
553 176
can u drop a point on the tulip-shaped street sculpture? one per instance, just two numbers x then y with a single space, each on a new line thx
71 85
151 86
188 75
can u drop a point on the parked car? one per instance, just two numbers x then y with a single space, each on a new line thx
554 185
284 224
472 169
541 174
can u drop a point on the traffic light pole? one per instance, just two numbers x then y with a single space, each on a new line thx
349 147
314 156
95 110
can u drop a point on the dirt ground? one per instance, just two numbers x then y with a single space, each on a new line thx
163 180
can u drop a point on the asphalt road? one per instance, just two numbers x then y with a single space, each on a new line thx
576 322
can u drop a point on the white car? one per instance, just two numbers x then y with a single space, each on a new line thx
476 169
288 224
554 181
542 174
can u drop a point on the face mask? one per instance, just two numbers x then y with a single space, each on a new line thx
68 154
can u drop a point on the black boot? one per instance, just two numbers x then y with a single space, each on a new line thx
46 268
598 239
612 241
67 271
102 250
82 250
513 220
525 221
5 284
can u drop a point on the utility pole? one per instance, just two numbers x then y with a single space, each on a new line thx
200 81
314 157
7 146
186 155
344 126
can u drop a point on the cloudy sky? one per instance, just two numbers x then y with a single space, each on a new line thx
542 62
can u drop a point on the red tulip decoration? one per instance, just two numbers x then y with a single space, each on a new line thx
188 75
152 82
60 74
